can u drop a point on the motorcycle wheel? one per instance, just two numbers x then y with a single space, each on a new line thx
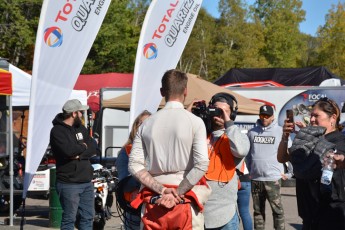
98 224
5 203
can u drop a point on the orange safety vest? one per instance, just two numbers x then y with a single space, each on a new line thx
243 167
128 149
222 166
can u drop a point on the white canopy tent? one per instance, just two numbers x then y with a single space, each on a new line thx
21 86
331 82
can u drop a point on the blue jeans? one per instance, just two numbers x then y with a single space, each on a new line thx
243 198
76 199
132 222
233 224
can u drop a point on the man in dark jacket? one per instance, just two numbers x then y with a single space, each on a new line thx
72 148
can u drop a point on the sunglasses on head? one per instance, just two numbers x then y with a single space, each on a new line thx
325 99
262 116
329 101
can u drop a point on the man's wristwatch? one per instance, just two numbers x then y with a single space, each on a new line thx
154 199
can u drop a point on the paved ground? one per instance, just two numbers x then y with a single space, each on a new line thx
37 214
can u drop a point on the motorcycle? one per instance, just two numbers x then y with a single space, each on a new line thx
104 185
5 183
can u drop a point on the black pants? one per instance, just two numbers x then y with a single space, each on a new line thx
308 195
331 214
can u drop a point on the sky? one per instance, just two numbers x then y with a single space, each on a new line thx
316 11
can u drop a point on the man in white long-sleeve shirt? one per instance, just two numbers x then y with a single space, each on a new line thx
169 157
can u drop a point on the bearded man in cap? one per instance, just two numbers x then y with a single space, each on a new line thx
265 171
72 148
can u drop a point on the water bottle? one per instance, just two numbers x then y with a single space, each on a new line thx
327 170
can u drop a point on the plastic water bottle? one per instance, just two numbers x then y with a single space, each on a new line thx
327 170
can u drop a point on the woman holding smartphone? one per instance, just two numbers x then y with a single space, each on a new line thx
319 208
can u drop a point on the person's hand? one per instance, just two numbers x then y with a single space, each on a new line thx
172 191
225 116
339 161
74 158
168 200
218 121
300 124
288 128
190 106
221 119
284 177
82 143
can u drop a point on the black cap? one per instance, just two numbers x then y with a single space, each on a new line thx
266 109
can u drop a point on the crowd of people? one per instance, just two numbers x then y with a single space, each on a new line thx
178 174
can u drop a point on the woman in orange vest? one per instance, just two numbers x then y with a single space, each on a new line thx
128 186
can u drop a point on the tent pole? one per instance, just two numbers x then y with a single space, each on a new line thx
20 141
11 160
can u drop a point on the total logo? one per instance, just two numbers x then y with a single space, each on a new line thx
53 36
150 51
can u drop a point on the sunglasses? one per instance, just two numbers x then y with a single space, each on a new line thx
331 102
326 99
264 116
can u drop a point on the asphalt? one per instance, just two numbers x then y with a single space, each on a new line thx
37 214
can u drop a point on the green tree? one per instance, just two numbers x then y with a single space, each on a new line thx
332 40
18 25
238 39
280 20
196 57
114 49
246 32
229 39
308 51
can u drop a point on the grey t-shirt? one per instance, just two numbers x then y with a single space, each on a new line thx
262 158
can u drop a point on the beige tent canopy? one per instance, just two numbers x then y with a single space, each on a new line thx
198 88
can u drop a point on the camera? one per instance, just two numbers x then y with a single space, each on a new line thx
206 113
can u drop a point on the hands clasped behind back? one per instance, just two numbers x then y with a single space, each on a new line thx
169 198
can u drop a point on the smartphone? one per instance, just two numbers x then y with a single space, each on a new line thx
289 114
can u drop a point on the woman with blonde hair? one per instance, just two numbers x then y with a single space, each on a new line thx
320 206
128 186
